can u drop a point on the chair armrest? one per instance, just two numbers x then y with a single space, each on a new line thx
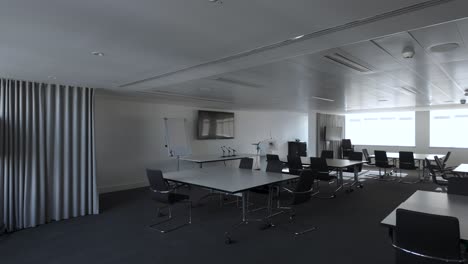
293 192
427 256
173 188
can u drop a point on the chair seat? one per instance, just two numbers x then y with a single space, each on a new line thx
385 166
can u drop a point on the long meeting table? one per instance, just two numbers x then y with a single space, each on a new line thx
231 181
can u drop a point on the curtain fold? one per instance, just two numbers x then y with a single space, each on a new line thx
47 153
324 120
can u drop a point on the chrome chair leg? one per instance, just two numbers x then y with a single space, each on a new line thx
154 226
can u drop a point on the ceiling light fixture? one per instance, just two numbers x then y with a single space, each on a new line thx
323 99
448 101
445 47
383 100
52 77
297 37
216 1
409 89
97 53
347 62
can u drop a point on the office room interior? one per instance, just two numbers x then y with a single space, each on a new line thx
320 131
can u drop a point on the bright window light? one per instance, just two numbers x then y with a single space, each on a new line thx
381 129
448 128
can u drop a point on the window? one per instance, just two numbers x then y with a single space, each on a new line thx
382 129
448 128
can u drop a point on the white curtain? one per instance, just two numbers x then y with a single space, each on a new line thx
47 153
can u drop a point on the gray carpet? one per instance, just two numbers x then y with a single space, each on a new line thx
348 232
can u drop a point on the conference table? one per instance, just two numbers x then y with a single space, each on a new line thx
435 203
201 159
419 157
232 181
340 165
462 169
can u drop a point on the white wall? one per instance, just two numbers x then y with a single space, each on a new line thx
130 137
422 142
312 142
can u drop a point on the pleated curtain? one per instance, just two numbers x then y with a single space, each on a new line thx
47 153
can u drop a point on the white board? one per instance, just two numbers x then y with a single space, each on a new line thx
177 139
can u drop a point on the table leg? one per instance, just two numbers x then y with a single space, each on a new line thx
201 164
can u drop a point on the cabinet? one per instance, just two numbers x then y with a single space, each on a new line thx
297 149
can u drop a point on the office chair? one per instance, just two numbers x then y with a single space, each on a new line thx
381 162
346 147
407 162
320 171
367 157
295 165
246 163
270 157
275 166
435 179
161 192
458 186
327 154
300 194
426 238
444 173
357 156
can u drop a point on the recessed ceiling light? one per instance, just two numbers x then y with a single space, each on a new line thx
445 47
383 100
323 99
97 53
297 37
52 77
216 1
448 101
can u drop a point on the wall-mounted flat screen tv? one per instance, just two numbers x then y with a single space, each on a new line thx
333 133
215 125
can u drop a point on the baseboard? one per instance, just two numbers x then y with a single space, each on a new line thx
121 187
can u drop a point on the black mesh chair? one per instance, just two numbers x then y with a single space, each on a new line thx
271 157
295 165
367 157
246 163
444 173
346 148
327 154
407 162
357 156
162 192
275 166
426 238
381 162
300 194
319 169
435 178
458 186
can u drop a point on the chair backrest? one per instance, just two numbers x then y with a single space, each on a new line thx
302 192
272 157
346 144
447 157
439 163
275 166
432 172
327 154
246 163
158 184
431 235
406 160
381 158
354 155
318 164
365 153
458 186
294 165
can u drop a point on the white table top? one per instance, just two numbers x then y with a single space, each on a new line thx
436 203
336 163
214 157
230 180
463 168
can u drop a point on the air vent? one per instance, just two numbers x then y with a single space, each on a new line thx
183 96
409 90
347 62
236 82
316 34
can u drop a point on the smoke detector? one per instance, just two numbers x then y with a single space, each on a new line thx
408 53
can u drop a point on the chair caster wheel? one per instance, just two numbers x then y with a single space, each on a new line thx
360 186
349 190
228 241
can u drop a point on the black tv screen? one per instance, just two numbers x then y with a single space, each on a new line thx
333 133
215 125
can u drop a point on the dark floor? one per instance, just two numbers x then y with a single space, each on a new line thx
348 232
